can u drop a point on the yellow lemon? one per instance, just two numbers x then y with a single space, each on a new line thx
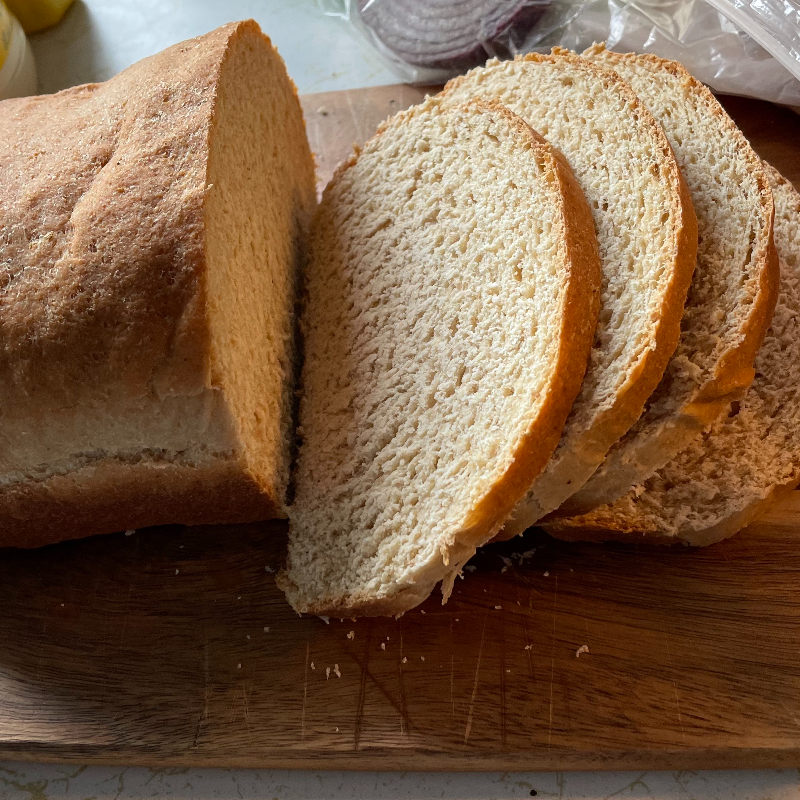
36 15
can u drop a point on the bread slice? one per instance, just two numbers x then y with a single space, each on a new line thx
452 296
152 226
735 282
647 236
730 475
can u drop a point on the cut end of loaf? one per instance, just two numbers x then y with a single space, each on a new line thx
146 317
259 200
451 300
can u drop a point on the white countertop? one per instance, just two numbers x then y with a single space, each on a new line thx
50 782
97 39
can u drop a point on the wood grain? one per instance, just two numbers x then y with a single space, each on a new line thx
174 646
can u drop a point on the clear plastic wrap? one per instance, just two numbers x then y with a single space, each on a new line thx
748 48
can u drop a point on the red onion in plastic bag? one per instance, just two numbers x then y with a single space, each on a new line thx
747 47
446 34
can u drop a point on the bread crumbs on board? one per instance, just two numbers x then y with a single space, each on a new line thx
584 648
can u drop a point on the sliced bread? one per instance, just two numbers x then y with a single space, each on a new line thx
151 231
647 237
735 282
450 305
732 473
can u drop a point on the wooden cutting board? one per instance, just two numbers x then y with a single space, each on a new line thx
174 647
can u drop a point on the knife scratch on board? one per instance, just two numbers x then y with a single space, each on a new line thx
403 710
42 645
678 704
246 706
130 591
362 689
452 669
674 684
305 694
360 135
204 712
205 676
528 645
552 665
468 728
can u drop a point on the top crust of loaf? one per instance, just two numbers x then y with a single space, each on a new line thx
111 388
611 142
454 234
724 323
732 473
138 325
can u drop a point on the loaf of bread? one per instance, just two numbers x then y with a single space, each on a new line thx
648 242
736 470
735 283
151 230
451 301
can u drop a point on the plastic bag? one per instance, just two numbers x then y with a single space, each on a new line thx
748 48
431 41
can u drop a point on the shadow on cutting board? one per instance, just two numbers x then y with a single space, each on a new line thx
174 646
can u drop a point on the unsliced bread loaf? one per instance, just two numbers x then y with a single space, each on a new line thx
735 282
151 227
452 297
731 474
647 236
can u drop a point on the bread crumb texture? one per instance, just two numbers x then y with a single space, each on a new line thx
449 310
731 473
647 238
735 282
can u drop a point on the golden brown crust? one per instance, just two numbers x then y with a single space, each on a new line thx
611 527
609 425
581 308
733 372
133 142
623 521
104 335
96 499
